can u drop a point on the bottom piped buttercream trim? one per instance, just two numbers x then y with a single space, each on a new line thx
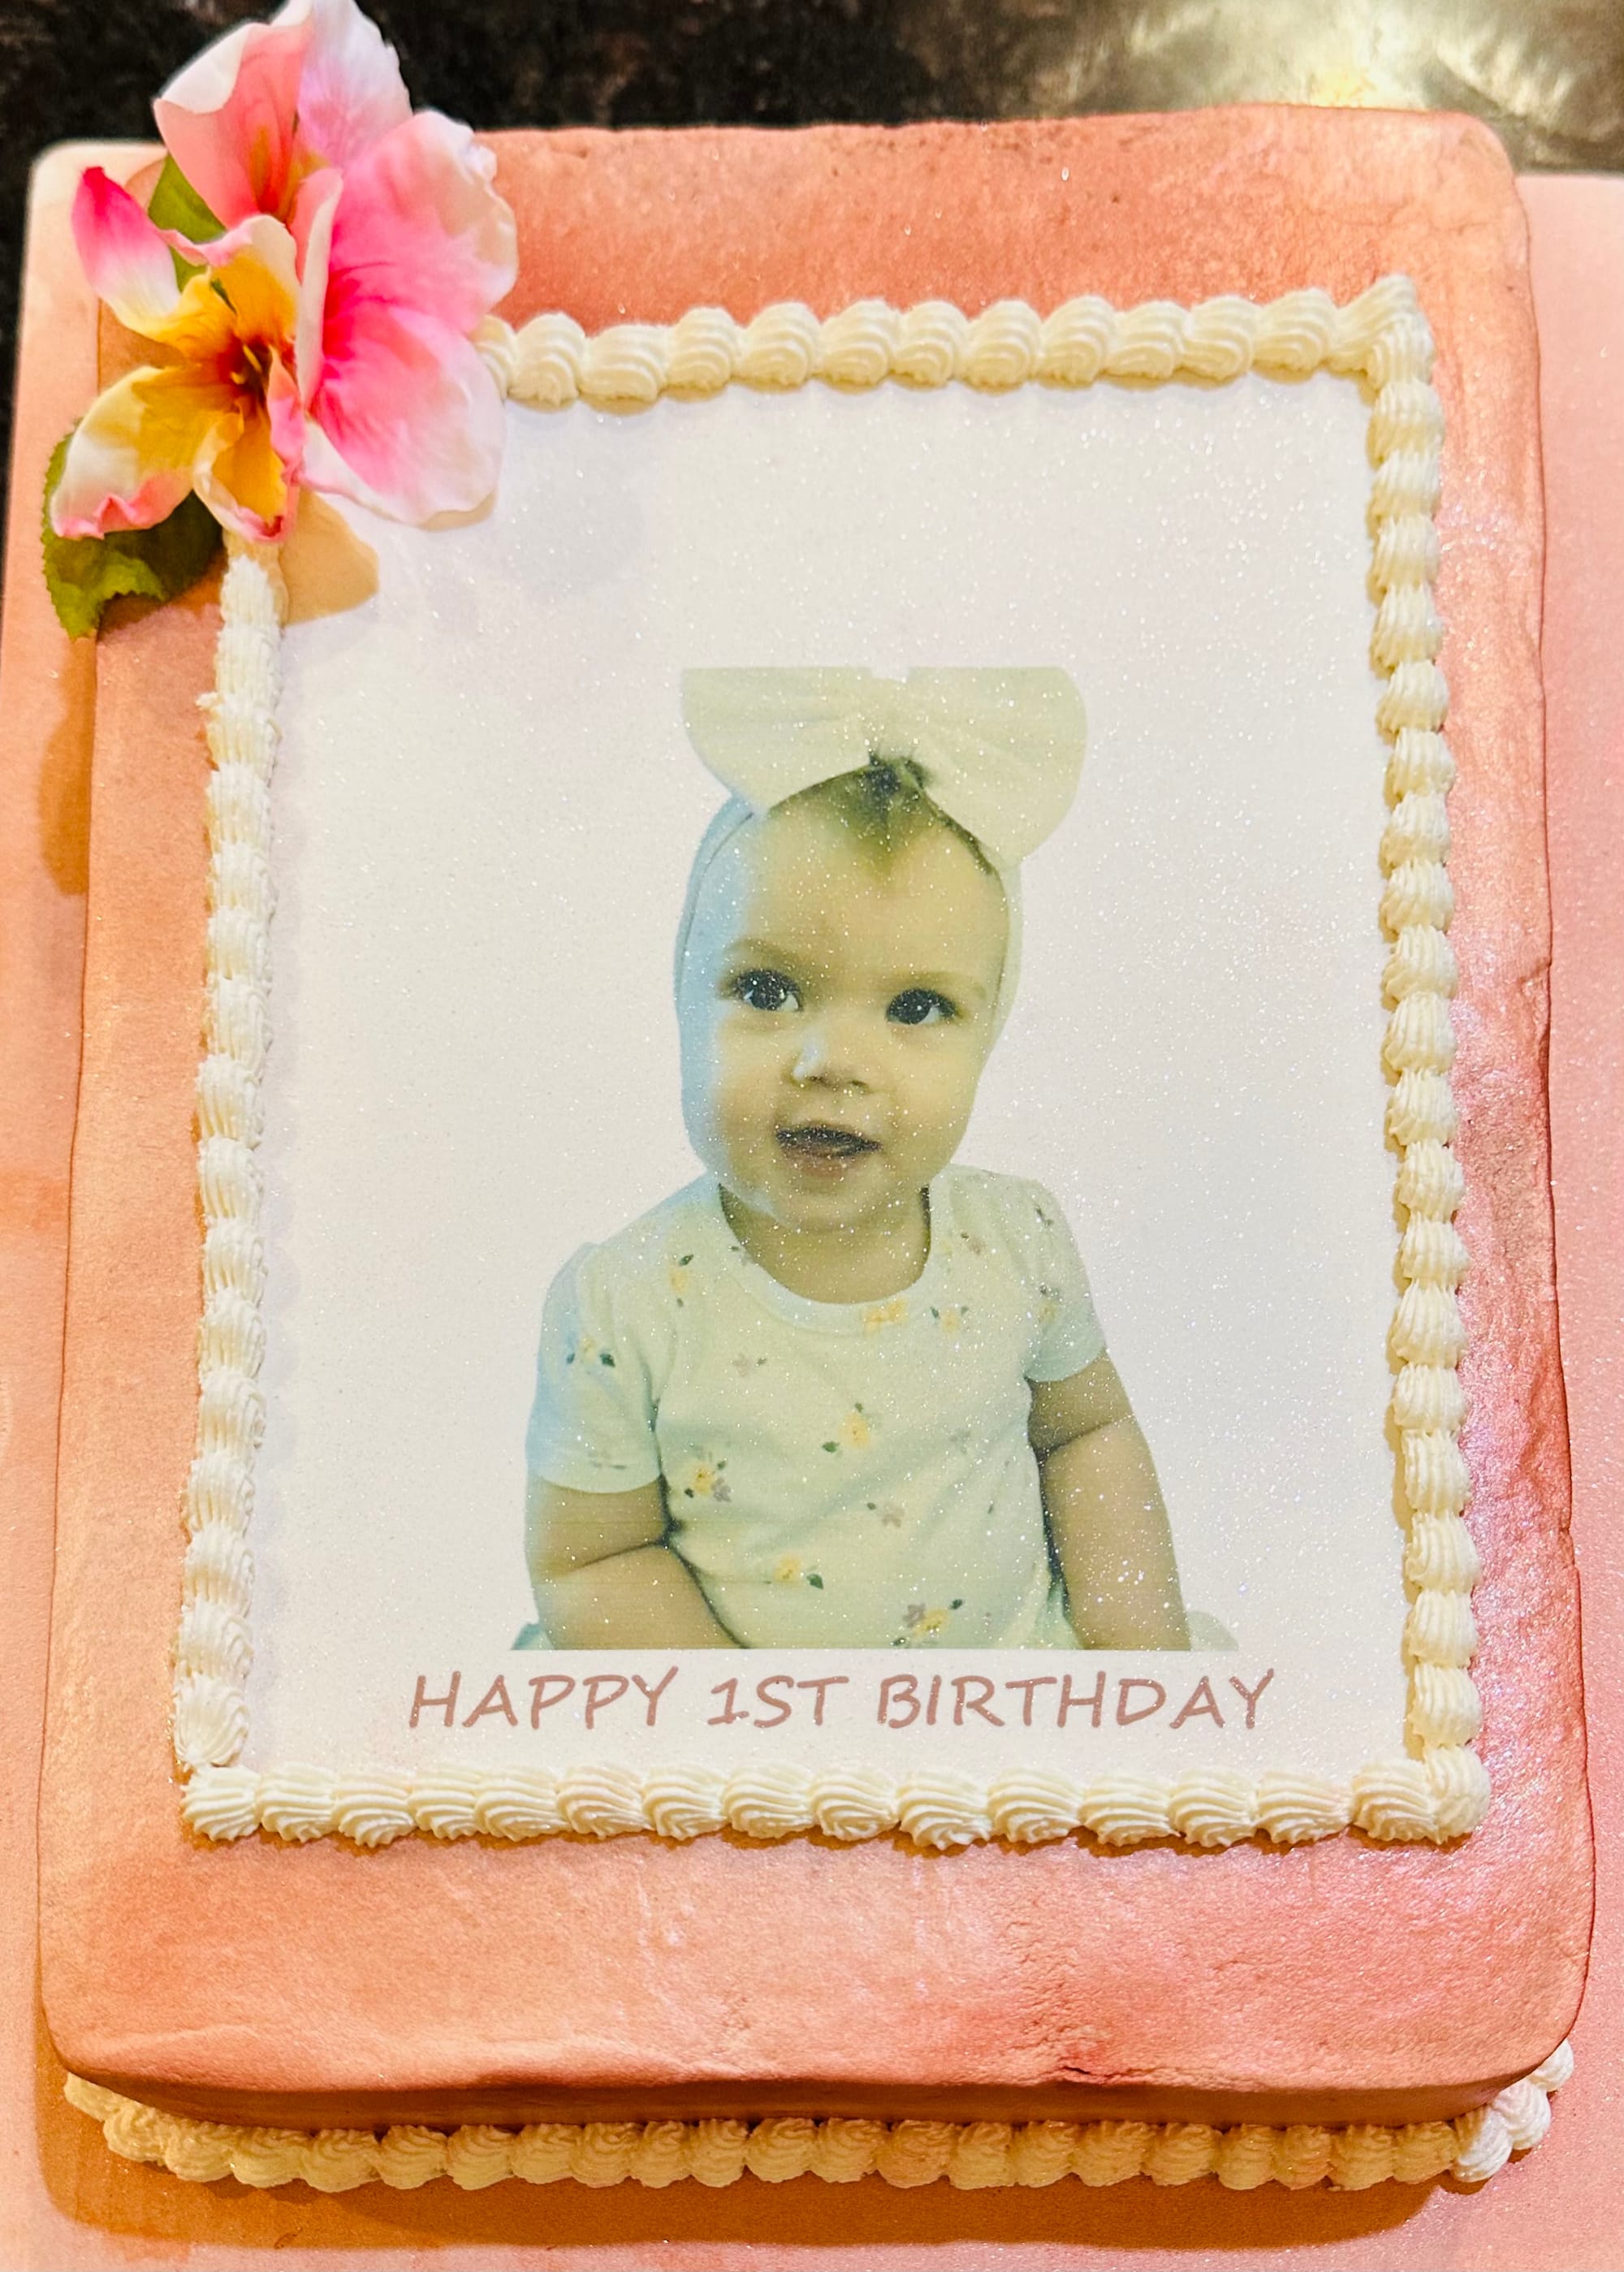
968 2154
1440 1796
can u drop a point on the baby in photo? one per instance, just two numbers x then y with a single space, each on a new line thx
841 1392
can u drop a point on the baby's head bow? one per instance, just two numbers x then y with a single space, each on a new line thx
999 752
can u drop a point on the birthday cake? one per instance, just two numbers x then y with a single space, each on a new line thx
1065 1283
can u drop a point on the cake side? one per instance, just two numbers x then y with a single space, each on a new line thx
1030 1955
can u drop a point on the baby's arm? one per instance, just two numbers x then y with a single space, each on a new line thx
604 1577
1103 1508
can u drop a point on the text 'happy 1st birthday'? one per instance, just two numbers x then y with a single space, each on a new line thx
626 1701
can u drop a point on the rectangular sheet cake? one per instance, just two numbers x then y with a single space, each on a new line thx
1232 418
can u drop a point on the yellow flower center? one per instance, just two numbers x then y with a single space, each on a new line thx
253 368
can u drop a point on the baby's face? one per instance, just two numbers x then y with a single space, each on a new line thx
835 1017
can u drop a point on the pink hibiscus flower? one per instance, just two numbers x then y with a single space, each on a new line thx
326 338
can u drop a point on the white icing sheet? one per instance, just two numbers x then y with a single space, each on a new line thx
484 811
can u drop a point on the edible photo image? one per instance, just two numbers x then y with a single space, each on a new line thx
772 1143
847 1389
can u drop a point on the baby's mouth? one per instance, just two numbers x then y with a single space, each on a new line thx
823 1140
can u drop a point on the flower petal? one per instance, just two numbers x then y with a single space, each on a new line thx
407 418
244 480
215 251
419 226
228 118
125 257
286 416
319 198
131 459
351 90
252 297
199 328
260 285
316 189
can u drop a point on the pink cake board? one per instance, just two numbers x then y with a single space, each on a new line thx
66 2203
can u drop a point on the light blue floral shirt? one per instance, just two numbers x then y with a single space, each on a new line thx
837 1474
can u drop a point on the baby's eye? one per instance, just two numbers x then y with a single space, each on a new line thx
920 1005
765 990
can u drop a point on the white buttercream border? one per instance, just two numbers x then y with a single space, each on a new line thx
1439 1791
971 2155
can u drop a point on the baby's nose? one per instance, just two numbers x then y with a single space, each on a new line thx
835 1047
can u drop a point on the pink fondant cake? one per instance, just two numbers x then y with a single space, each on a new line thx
1157 412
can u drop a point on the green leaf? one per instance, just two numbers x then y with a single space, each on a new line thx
84 573
175 204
